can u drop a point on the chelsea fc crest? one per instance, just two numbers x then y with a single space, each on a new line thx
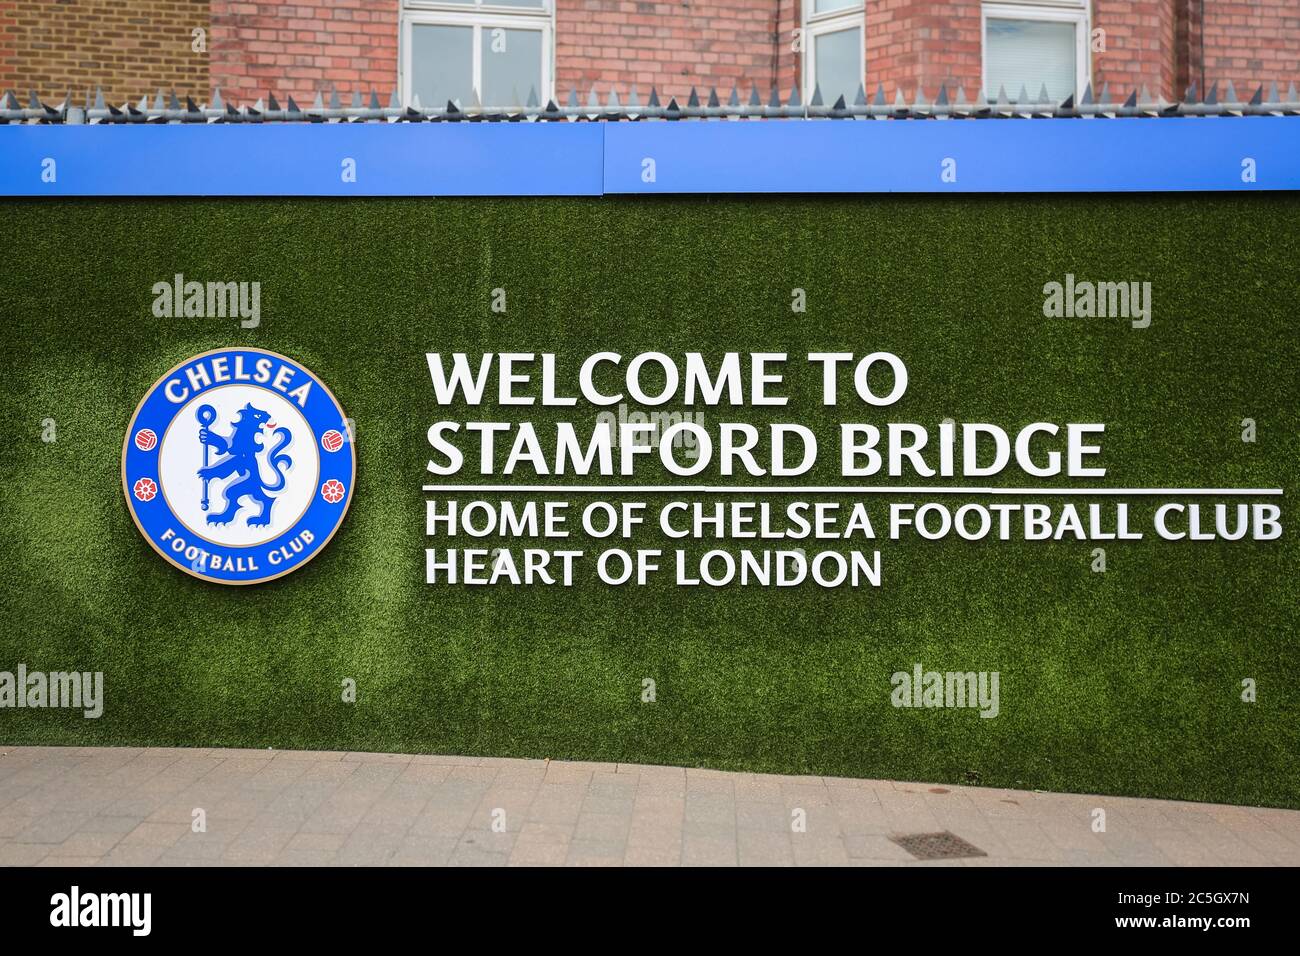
238 466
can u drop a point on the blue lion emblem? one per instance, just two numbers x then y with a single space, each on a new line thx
241 449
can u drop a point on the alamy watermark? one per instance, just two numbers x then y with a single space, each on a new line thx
132 911
78 690
922 688
659 422
180 299
1101 300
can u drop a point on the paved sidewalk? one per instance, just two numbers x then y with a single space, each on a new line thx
128 806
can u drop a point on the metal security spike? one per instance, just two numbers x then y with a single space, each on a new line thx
1023 98
593 101
693 101
168 106
551 107
672 106
356 100
654 98
573 98
452 108
1043 96
319 103
99 98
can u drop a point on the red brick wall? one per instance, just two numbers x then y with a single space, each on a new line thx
672 44
299 48
129 48
257 46
1250 42
1139 40
789 62
913 43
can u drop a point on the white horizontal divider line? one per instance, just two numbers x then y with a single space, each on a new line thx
844 490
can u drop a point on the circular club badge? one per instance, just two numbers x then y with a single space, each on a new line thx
238 466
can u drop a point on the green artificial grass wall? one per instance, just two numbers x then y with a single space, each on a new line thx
1127 682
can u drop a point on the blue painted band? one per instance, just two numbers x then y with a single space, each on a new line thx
593 159
956 156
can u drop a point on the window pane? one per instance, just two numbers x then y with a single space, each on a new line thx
442 64
531 4
838 57
1030 53
512 65
824 6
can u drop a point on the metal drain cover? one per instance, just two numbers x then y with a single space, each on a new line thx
937 846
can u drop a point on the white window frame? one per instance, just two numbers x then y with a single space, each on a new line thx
480 16
832 21
1050 11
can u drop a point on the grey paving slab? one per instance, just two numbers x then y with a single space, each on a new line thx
86 806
